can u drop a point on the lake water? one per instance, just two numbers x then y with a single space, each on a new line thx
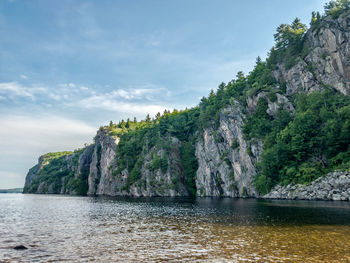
84 229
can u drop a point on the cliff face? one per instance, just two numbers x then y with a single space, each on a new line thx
95 170
105 179
327 63
100 178
225 167
60 173
227 159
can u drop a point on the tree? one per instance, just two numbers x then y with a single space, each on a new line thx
240 75
315 18
336 7
290 35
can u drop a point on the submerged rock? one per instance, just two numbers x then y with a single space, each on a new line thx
20 247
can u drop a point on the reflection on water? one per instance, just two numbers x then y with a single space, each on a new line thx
75 229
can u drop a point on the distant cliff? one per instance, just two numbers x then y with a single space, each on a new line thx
286 123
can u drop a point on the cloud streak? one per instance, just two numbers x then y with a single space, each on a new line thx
140 99
14 89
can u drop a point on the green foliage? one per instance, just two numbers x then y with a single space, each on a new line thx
315 20
159 163
51 173
336 7
234 144
57 167
289 45
138 138
155 164
258 125
164 165
46 158
190 165
219 181
231 175
315 142
272 96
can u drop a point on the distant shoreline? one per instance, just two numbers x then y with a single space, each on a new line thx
12 190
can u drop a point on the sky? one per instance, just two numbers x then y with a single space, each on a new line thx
69 67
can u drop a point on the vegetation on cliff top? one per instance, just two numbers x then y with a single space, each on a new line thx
58 165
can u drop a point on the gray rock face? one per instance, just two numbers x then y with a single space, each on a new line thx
333 186
225 168
32 173
158 182
103 157
273 106
105 180
327 63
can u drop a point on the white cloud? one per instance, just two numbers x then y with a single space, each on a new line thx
14 89
141 100
23 76
136 93
134 100
84 88
110 104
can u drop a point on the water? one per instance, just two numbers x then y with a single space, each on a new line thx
83 229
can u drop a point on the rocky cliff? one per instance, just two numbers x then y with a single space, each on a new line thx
60 173
95 167
225 157
327 62
225 167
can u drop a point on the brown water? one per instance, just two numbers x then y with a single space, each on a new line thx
83 229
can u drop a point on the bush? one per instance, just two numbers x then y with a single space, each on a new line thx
234 144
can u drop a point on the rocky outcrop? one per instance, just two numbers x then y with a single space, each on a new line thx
94 171
59 173
225 167
333 186
103 157
280 102
327 63
106 179
167 180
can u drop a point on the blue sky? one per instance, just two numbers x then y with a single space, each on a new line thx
68 67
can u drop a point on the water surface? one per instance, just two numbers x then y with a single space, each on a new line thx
84 229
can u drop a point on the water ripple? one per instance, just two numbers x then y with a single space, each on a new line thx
82 229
